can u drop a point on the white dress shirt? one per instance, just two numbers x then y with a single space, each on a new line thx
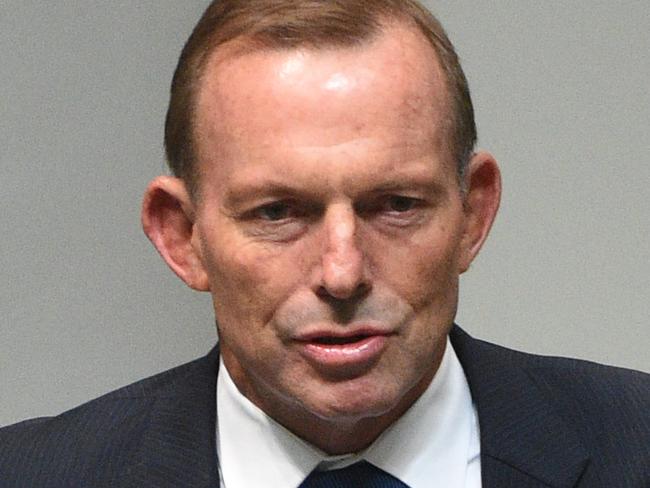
434 444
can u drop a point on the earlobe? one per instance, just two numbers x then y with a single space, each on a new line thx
482 198
168 222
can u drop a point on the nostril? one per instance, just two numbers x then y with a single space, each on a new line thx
339 296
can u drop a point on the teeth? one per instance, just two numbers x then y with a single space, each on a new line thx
338 340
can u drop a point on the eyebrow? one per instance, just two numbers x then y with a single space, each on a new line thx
400 184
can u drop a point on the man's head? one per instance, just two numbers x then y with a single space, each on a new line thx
331 228
317 24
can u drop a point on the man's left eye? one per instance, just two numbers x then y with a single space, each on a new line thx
400 204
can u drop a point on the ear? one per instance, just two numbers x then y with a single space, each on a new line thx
482 197
168 222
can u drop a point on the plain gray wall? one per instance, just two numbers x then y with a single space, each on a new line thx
86 305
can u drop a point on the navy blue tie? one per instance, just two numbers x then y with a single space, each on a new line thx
357 475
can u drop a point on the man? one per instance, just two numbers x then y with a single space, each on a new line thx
326 192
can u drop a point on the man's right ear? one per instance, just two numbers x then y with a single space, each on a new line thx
168 222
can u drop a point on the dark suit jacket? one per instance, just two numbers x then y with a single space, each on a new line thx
545 422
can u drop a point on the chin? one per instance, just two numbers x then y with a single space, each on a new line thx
352 404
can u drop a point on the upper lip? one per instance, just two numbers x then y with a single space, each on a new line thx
347 332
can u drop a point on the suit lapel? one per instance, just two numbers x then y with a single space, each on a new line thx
178 446
524 442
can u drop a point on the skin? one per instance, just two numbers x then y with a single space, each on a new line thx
328 206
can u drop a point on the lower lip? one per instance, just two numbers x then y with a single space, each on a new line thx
357 354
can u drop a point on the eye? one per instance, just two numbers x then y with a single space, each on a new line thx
277 220
274 211
400 204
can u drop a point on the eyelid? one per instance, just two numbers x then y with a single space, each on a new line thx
258 210
411 199
295 209
380 203
265 212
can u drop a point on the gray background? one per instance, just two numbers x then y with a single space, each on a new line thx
86 305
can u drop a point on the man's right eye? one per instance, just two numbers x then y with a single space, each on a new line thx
273 212
279 220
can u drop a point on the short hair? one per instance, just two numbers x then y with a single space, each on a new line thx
285 24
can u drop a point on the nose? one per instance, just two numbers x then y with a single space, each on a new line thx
343 264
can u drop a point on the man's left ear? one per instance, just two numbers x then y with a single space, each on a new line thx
168 220
482 197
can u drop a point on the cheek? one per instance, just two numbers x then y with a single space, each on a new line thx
423 269
240 284
247 281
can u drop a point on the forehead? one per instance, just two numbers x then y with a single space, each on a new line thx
392 83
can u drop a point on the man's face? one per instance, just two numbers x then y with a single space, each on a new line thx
330 225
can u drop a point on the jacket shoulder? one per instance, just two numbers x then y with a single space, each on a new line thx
609 392
589 391
604 409
609 408
600 398
91 443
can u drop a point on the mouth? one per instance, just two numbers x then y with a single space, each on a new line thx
339 341
343 353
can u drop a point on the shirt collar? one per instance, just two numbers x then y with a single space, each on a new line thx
436 438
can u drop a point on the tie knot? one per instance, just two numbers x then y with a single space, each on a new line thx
357 475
